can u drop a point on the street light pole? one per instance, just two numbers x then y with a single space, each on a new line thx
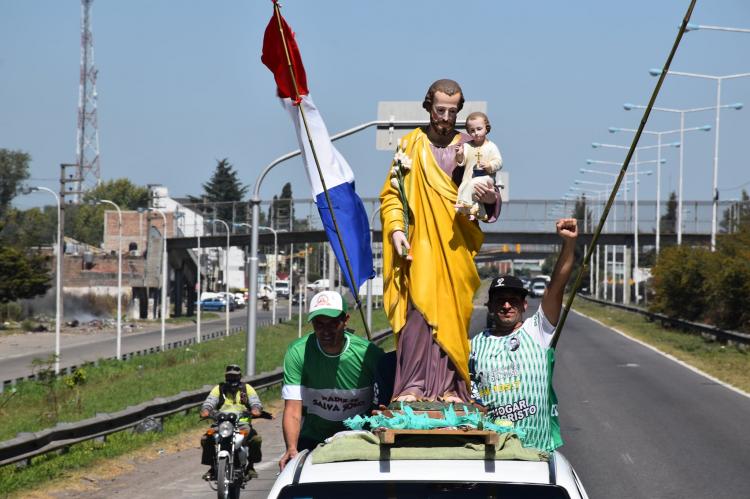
715 188
736 106
119 275
58 271
164 272
226 275
199 290
275 269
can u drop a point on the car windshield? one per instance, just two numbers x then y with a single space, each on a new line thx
421 490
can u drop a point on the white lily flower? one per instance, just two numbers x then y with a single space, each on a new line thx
394 171
394 182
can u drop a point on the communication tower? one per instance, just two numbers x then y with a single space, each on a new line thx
87 143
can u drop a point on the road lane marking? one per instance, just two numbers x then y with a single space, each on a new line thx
668 356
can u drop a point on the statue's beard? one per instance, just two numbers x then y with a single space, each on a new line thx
443 127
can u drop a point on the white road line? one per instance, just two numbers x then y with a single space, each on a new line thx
668 356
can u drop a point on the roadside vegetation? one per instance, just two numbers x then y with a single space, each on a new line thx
726 362
697 284
112 386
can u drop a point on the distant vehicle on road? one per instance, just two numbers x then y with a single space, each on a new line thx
239 298
266 291
538 289
217 304
282 289
319 285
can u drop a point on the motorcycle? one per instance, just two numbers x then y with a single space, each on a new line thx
231 456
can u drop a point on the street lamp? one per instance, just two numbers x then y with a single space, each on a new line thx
369 281
226 275
736 106
715 191
704 128
119 274
164 272
275 269
58 271
596 145
696 27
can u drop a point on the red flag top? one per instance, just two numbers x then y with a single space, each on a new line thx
275 59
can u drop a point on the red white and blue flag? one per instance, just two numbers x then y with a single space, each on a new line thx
350 213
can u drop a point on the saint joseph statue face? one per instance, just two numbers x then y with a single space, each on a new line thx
443 113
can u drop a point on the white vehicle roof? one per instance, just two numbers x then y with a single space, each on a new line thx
556 472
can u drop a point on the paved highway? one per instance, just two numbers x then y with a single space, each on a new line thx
89 348
636 425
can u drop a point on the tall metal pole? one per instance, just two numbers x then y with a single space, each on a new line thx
198 289
635 227
658 191
252 312
119 277
679 178
59 266
715 190
164 272
226 276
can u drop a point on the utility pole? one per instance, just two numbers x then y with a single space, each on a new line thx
87 142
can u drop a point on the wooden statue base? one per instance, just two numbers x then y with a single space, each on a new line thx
388 436
433 409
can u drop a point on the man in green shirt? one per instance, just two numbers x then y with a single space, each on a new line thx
511 364
328 377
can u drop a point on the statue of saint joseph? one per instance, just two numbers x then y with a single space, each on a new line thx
429 273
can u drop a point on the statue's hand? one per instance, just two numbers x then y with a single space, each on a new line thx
401 244
459 153
485 193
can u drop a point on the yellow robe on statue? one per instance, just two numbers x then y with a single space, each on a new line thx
442 278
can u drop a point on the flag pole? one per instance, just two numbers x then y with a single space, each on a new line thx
298 100
623 171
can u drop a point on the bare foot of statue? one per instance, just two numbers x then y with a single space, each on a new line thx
451 398
406 397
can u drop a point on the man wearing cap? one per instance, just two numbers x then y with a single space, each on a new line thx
328 377
236 397
511 363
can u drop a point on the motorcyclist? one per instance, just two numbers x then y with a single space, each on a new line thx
240 398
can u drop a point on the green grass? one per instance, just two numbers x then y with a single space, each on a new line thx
730 364
53 466
112 386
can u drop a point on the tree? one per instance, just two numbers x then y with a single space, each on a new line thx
14 169
737 215
122 192
224 187
669 219
22 275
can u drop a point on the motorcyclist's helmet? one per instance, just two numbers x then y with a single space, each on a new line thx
233 375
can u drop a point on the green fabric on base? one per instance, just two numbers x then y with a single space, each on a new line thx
365 446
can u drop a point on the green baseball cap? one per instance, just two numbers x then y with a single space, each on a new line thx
327 303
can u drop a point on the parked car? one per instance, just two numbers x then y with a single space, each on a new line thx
447 478
218 304
538 289
282 289
319 285
239 298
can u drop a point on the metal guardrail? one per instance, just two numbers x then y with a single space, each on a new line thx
691 327
28 445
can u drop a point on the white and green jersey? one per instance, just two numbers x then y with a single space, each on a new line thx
512 376
331 387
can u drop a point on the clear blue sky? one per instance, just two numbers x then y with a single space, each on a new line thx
181 84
